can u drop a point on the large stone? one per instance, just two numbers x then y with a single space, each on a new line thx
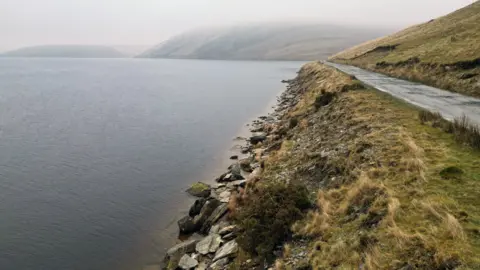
258 138
187 262
227 230
235 169
224 197
187 225
214 217
219 265
237 183
197 207
209 244
175 253
245 165
200 189
228 250
208 208
202 266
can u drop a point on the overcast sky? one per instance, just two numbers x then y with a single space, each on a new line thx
147 22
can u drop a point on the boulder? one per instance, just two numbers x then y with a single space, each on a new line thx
214 217
197 207
219 265
187 262
228 177
235 169
237 183
227 230
245 165
209 244
208 208
258 138
234 157
187 225
175 253
199 189
245 149
229 236
224 197
202 266
228 250
214 229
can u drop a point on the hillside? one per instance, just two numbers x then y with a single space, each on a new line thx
341 176
444 52
263 42
70 51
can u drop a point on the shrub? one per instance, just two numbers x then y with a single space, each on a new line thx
428 116
293 122
466 132
463 130
267 215
451 172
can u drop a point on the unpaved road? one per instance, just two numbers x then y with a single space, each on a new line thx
450 105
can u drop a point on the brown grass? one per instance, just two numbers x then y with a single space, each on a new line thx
383 203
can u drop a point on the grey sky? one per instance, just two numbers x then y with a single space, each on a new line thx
147 22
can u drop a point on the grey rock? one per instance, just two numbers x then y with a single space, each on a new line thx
187 262
229 236
214 217
214 229
208 208
209 244
228 250
258 138
227 230
224 197
187 225
237 183
197 207
219 265
235 169
175 253
202 266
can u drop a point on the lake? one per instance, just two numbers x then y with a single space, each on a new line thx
95 154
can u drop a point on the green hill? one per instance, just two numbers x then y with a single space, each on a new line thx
444 52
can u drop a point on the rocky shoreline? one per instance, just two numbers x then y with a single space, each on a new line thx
210 232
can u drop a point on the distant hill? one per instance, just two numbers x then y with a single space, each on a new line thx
444 52
71 51
267 41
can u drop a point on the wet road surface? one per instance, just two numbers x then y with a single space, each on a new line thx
450 105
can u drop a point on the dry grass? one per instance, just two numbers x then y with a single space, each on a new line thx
396 210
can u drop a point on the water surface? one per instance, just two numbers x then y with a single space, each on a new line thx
95 153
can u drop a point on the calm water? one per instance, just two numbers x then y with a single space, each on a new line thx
95 154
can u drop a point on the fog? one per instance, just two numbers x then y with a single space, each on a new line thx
147 22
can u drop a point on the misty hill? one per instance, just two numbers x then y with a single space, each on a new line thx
263 42
444 52
71 51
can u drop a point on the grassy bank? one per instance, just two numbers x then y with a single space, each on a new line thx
443 52
387 189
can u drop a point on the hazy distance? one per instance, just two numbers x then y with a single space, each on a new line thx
148 22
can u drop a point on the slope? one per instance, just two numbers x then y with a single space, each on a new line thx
444 52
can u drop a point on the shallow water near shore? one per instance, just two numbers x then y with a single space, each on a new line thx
95 154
